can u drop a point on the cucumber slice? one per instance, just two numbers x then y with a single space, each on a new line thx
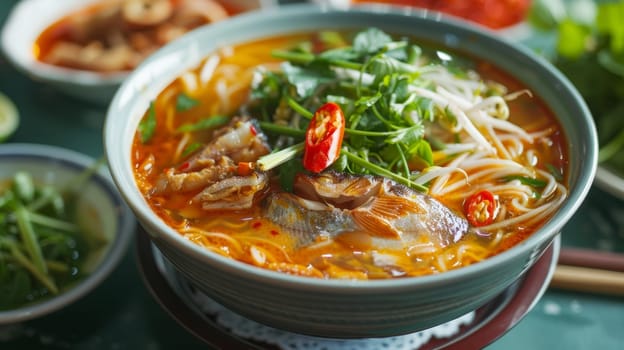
9 118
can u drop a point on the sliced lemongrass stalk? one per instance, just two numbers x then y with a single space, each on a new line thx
275 159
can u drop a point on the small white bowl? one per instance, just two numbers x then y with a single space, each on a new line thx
56 166
29 18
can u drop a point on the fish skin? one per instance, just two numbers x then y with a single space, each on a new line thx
213 170
305 220
241 140
172 181
236 192
386 210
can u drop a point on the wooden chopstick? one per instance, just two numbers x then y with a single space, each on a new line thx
592 258
589 280
590 271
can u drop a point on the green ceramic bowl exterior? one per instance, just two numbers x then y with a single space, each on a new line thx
99 206
339 308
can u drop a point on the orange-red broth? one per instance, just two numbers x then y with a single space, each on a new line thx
101 24
348 257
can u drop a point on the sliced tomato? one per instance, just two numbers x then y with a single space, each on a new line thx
323 137
481 208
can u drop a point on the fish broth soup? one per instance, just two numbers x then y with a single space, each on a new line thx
445 160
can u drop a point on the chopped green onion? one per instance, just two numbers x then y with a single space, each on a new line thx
147 126
206 123
191 148
299 108
185 102
526 180
273 128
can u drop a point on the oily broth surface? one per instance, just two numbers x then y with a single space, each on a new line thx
233 233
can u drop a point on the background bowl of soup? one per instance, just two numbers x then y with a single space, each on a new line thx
159 93
67 209
85 48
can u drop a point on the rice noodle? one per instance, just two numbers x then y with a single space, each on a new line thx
181 145
435 172
462 120
208 69
207 239
189 83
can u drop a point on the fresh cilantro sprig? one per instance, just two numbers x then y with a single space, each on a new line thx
370 78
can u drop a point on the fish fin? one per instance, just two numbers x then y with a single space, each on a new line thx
375 224
361 186
392 207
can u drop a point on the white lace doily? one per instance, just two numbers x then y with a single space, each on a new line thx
251 330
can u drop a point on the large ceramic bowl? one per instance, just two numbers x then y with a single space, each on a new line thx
99 208
345 308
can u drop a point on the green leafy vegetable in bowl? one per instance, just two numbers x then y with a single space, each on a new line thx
44 249
379 137
589 50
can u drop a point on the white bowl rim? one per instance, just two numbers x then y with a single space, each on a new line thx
125 228
152 223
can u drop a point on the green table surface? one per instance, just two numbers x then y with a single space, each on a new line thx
121 313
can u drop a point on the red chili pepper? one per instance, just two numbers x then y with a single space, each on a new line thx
481 208
323 138
253 130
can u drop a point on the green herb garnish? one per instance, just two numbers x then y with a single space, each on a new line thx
185 102
191 148
147 126
372 79
205 123
529 181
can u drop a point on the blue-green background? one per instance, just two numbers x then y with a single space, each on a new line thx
121 314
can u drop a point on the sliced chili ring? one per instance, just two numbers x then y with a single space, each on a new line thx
481 208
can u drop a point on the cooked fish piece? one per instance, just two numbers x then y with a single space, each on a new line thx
236 192
304 219
212 171
339 189
392 214
241 141
173 180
